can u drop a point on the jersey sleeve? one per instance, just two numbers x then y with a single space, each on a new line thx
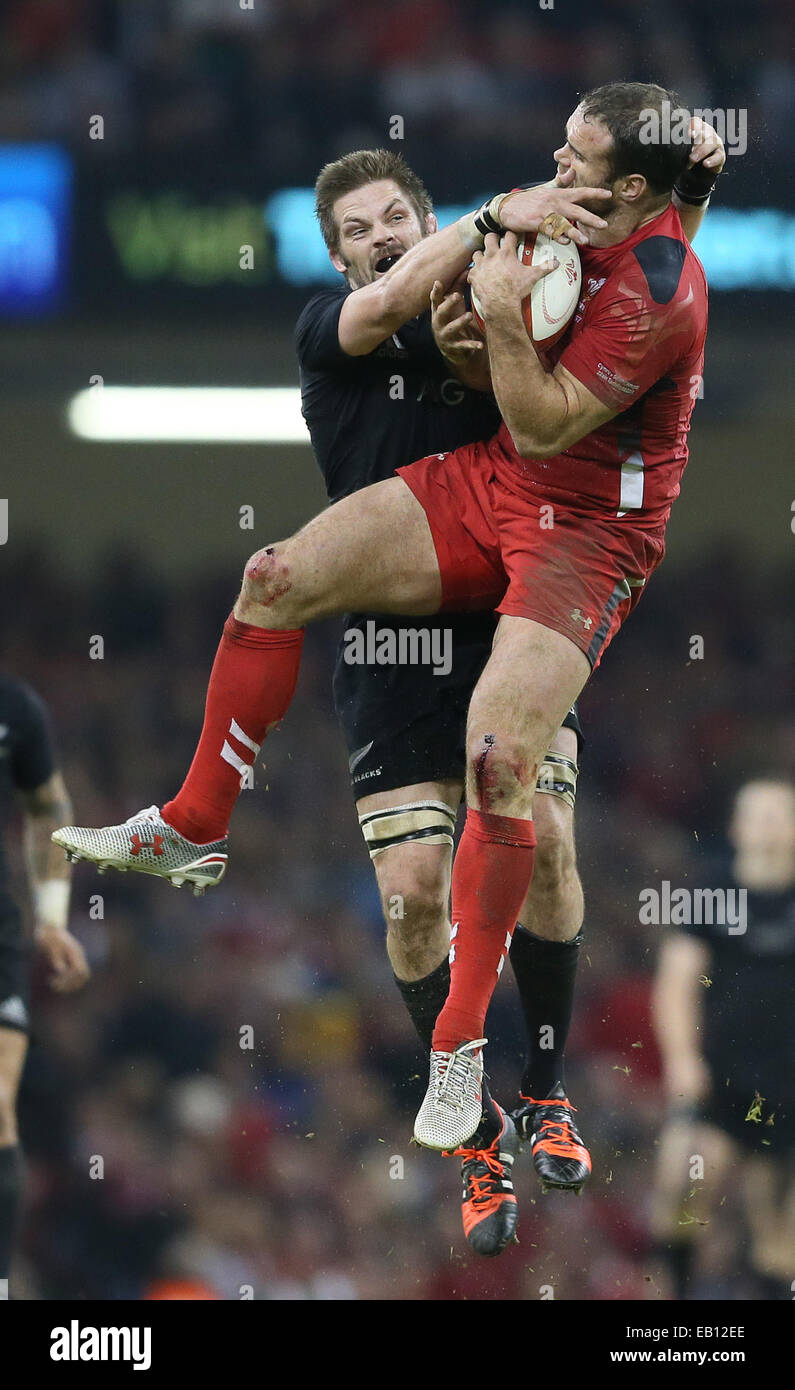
317 342
625 348
33 757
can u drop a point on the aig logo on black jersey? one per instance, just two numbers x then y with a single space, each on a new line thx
432 391
446 392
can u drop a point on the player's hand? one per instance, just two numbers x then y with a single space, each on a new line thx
454 328
708 148
499 279
553 210
65 955
687 1080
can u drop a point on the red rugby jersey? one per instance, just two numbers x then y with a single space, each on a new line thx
637 342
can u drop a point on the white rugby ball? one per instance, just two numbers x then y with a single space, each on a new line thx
548 308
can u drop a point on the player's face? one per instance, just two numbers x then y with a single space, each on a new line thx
377 224
763 823
586 150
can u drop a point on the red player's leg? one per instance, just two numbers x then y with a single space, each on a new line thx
368 551
530 682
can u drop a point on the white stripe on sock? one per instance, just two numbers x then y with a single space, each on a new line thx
234 759
236 732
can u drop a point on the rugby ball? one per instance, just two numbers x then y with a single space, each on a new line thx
548 308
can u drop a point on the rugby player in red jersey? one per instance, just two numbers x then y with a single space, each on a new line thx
599 435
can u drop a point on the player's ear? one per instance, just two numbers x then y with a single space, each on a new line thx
431 225
337 261
633 188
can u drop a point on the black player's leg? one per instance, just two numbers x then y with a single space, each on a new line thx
544 955
409 833
13 1049
697 1165
373 550
553 908
769 1198
546 944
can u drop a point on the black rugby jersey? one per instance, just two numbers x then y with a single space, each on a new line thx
372 414
748 1004
26 757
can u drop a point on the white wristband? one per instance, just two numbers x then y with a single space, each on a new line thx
51 901
469 234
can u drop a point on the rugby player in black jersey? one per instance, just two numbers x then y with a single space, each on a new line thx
29 779
724 1017
374 398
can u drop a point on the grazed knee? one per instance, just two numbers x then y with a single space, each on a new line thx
266 577
503 773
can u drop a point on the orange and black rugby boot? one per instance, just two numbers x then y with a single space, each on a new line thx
560 1157
488 1204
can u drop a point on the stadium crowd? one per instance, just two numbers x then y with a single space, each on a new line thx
225 1110
275 88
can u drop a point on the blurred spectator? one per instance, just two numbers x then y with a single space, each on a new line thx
272 92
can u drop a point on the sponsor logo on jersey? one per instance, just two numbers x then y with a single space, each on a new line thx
618 383
578 617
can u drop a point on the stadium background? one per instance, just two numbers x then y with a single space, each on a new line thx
271 1167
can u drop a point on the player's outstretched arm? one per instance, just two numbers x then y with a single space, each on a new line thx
374 312
692 194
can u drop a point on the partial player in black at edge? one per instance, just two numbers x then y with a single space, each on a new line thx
377 393
30 782
723 1004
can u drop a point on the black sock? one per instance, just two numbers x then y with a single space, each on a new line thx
424 1000
545 972
10 1195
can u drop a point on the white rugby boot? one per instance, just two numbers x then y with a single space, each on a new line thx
147 845
452 1108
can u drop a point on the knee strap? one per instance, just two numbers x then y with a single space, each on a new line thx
557 776
433 822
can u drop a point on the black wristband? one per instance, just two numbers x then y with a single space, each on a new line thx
485 222
695 184
692 201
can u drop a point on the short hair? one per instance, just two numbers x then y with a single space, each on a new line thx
624 109
355 170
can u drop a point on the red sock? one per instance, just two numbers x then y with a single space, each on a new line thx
251 685
491 875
